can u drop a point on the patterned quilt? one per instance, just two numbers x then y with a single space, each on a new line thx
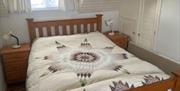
86 62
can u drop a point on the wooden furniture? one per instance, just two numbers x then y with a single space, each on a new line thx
165 85
64 27
15 63
119 39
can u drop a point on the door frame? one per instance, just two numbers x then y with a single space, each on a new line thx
155 25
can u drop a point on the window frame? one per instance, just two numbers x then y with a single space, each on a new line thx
46 8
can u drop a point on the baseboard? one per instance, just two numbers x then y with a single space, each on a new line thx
163 63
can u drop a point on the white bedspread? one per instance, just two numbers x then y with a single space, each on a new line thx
86 62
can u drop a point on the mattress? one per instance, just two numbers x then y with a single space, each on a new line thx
86 62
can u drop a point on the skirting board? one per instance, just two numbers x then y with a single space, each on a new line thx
166 65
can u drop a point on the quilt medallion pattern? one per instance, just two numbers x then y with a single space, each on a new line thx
88 62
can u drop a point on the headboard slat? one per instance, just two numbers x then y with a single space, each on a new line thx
40 30
64 29
71 29
56 30
85 28
92 27
48 29
79 28
64 24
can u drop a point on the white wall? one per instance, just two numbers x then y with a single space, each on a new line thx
2 82
168 39
129 8
179 28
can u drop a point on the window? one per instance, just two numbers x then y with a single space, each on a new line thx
44 4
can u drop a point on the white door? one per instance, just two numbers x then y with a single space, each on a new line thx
148 23
128 27
128 10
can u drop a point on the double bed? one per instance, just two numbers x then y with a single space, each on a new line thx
83 59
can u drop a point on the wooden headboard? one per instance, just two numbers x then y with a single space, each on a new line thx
63 27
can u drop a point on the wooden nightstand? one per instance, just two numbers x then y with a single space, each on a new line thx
119 39
15 63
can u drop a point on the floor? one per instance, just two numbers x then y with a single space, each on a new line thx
17 87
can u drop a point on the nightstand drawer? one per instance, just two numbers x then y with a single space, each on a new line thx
16 55
15 66
15 76
15 61
15 70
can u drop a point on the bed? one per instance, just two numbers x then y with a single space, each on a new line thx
74 55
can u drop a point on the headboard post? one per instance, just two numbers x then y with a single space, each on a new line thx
99 22
30 28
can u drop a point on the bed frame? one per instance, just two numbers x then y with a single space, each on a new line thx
63 27
86 25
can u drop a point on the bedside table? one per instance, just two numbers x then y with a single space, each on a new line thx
15 63
119 39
